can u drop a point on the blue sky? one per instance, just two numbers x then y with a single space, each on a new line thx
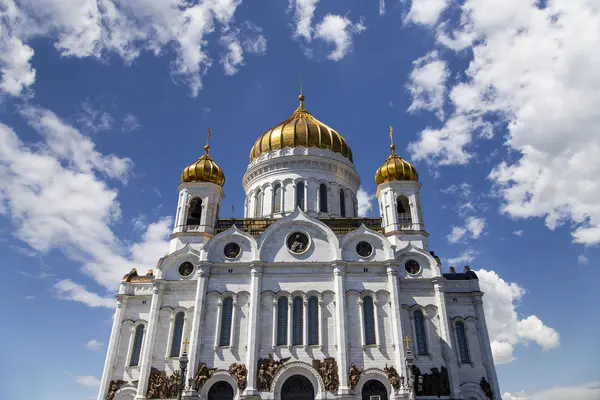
102 105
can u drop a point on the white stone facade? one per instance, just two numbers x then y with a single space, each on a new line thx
345 290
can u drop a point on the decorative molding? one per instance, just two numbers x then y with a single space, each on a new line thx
303 365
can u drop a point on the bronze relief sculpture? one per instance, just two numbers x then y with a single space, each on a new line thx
114 387
329 373
353 376
202 375
239 372
162 386
267 368
435 383
393 376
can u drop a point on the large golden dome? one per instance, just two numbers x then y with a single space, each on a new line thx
301 129
204 169
395 168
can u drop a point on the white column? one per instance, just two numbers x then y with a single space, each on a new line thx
320 319
339 273
218 330
305 322
253 341
361 321
195 333
376 315
274 323
149 340
290 318
232 326
487 349
113 347
170 335
392 274
445 333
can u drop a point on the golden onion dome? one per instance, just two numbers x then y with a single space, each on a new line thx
301 129
204 169
395 168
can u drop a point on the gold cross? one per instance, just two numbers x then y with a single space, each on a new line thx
406 342
208 137
300 85
392 134
185 343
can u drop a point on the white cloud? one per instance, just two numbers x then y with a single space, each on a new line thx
536 72
427 84
582 260
304 11
234 56
364 202
236 42
94 344
69 290
338 31
88 380
130 123
473 226
518 232
505 326
457 233
584 391
381 7
426 12
94 118
88 28
465 257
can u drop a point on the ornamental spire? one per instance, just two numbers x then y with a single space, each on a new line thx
392 146
207 147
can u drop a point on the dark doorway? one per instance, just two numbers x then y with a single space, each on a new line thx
297 387
374 390
220 391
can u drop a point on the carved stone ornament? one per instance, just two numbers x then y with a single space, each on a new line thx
364 249
353 376
435 383
329 373
395 379
297 242
240 373
267 368
186 268
113 388
202 375
487 389
231 250
162 386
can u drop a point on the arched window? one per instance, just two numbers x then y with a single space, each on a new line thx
403 208
258 204
195 211
297 327
282 320
342 203
463 347
277 198
138 338
313 320
177 335
226 314
369 320
300 195
323 198
420 332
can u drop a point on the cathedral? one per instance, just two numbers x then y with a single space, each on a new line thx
302 298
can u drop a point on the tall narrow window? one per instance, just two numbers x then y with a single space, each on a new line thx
403 208
463 347
369 320
313 320
297 326
420 332
138 338
258 204
277 198
282 320
195 211
177 335
226 314
342 203
323 198
300 195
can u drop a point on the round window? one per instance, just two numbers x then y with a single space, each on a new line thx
297 242
412 267
231 250
186 269
364 249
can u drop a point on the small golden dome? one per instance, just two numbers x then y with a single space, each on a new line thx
395 168
301 129
203 169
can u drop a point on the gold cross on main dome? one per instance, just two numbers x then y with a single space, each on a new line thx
392 134
208 137
406 342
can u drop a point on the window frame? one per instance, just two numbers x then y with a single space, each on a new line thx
300 195
313 321
298 321
175 349
369 321
463 348
283 304
420 333
323 203
342 203
137 349
226 322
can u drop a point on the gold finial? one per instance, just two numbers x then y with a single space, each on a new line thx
392 147
301 97
406 342
207 147
185 343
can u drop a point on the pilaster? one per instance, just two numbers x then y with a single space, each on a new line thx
392 274
253 341
113 346
339 278
488 358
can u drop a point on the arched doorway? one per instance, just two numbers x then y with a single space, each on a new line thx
297 387
374 390
220 391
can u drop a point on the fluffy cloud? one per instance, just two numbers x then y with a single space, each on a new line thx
535 72
94 344
473 226
364 202
46 190
465 257
236 42
338 31
426 12
89 28
88 380
304 10
427 84
505 326
582 260
584 391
